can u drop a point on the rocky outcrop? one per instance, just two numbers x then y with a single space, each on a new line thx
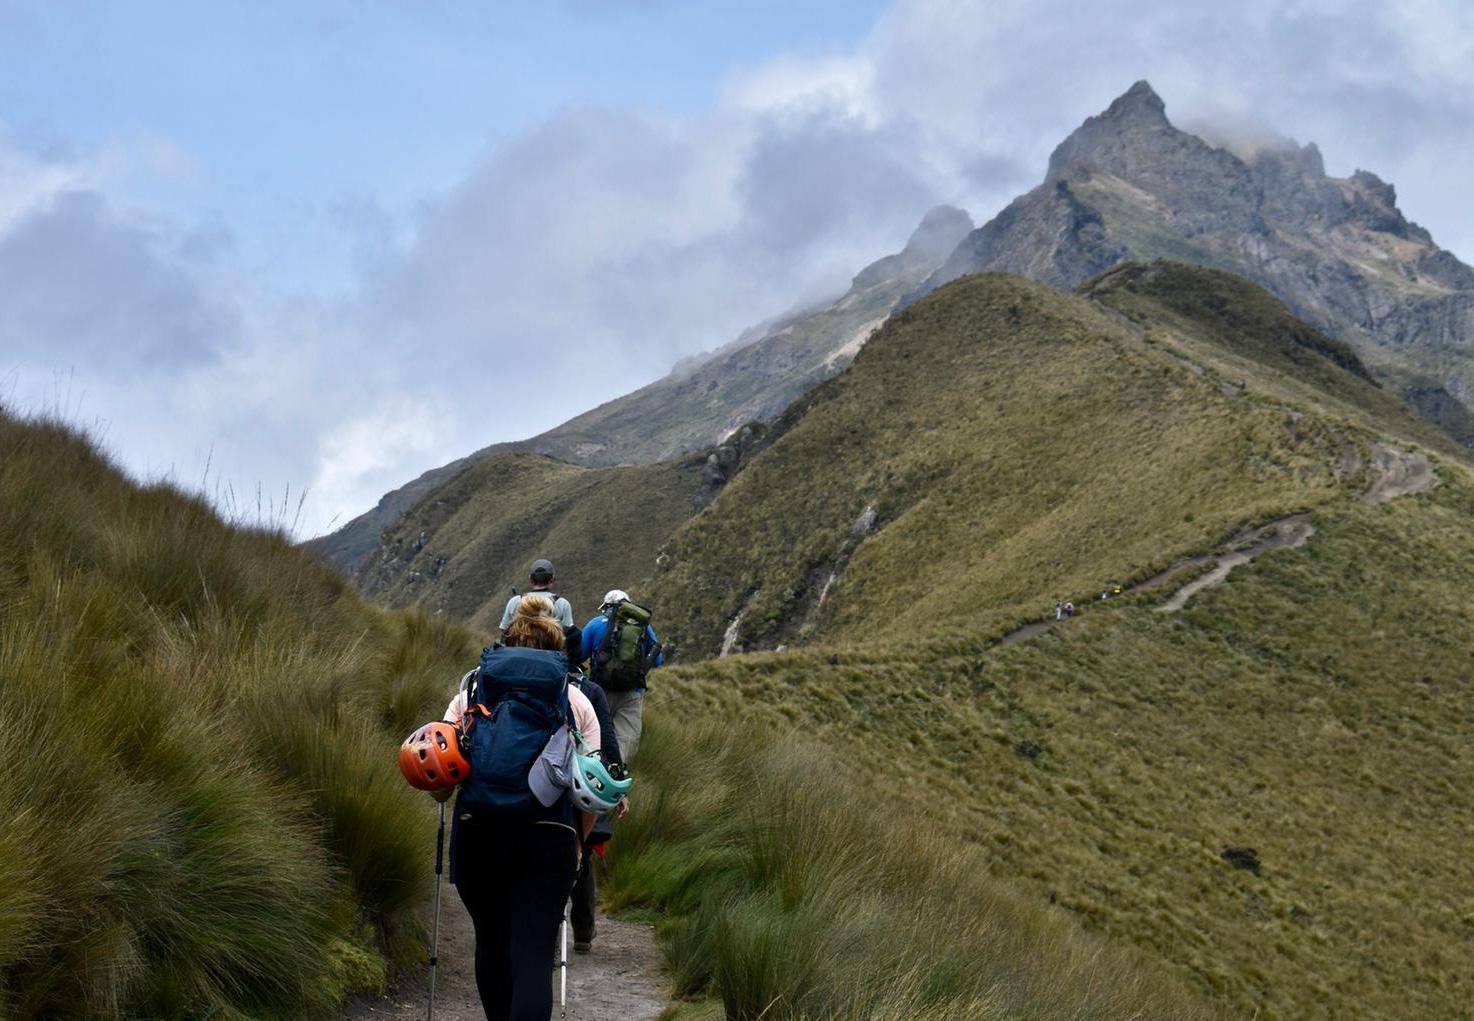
1128 185
723 462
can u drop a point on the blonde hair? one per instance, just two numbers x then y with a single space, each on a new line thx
534 626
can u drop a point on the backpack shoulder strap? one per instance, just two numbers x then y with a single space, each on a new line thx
606 640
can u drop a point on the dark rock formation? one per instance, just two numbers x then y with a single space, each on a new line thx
1241 858
724 461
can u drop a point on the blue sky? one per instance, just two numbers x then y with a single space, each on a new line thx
285 117
293 244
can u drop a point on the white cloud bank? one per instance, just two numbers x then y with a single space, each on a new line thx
585 257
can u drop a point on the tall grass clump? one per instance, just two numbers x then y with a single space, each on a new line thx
792 891
199 811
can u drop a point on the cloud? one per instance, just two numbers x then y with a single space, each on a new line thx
369 444
799 87
585 258
75 280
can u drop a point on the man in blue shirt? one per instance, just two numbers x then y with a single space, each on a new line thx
625 690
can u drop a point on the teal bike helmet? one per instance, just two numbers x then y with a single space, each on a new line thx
594 789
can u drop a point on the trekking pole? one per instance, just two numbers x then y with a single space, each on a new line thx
435 923
563 964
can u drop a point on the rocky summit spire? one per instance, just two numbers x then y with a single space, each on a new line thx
1137 112
1139 104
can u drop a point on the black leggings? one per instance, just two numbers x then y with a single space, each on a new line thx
585 900
514 882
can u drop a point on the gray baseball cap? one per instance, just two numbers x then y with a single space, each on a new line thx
542 567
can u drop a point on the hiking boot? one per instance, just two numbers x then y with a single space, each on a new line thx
582 946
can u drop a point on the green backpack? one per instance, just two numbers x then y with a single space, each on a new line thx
626 652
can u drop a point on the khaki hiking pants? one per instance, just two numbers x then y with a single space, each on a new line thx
625 708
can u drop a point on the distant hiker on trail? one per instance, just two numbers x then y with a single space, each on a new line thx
585 889
621 650
517 837
1059 609
1116 589
1069 608
542 578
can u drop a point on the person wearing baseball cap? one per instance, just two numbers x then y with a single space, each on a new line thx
542 577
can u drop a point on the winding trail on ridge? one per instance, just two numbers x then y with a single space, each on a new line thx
618 980
1394 472
1286 533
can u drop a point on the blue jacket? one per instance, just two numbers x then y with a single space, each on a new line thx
593 634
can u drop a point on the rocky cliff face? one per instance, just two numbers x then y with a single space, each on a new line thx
1127 185
705 399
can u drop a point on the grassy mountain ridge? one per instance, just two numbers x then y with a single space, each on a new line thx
704 399
1004 443
199 811
460 548
1265 790
790 887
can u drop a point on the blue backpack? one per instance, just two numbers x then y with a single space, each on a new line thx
516 700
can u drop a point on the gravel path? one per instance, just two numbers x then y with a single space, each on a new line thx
619 980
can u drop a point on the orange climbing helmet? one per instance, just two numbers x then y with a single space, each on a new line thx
432 759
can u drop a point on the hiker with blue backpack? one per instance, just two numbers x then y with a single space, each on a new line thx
620 647
519 750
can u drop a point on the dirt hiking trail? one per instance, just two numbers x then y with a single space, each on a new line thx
1398 472
1286 533
618 980
1392 472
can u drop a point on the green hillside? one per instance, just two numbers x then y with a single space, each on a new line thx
1001 444
1267 790
1315 709
460 548
200 815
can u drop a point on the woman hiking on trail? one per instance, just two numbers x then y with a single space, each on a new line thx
514 864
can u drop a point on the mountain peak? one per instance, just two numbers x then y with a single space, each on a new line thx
1138 103
1137 111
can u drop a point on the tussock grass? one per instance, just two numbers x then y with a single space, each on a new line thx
794 891
199 810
